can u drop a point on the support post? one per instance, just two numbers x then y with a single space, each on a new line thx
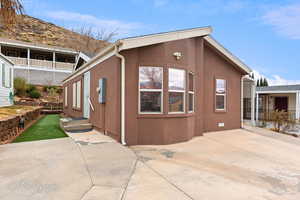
298 105
257 106
253 103
53 67
28 65
54 61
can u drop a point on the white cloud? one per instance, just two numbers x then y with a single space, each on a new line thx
77 19
285 20
275 79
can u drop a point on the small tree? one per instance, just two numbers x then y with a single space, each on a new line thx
281 120
20 86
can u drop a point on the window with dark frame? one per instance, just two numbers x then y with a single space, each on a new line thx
191 93
150 90
177 82
220 95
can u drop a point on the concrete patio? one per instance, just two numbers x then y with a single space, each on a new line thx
238 164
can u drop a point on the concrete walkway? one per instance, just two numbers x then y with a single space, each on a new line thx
237 164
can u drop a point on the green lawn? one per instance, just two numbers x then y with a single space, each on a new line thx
46 128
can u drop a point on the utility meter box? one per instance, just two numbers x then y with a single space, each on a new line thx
102 90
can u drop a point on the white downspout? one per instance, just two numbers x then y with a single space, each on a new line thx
242 101
123 138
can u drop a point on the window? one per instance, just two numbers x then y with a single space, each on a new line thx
74 95
150 89
176 90
78 94
191 92
220 95
6 76
66 96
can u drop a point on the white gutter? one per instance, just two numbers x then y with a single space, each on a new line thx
123 139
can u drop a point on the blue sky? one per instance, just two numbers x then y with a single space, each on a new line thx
265 34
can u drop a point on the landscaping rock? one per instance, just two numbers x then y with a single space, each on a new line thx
9 127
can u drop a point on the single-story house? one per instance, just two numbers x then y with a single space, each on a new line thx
159 89
6 81
284 97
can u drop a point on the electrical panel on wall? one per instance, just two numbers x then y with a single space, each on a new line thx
102 90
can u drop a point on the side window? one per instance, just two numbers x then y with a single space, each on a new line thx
191 94
220 95
66 96
74 95
176 90
78 95
150 90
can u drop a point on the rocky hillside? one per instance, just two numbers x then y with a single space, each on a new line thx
29 29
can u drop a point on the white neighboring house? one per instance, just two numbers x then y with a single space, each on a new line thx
6 81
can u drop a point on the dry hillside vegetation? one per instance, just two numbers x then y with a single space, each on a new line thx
29 29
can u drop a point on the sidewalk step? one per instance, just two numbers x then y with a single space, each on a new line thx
78 127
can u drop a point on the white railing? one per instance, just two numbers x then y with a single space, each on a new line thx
44 64
17 60
64 66
41 63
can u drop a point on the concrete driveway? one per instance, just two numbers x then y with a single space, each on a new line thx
234 164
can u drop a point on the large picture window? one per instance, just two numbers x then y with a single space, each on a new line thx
150 89
191 93
176 90
221 94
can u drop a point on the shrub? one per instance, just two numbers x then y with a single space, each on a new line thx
281 120
34 94
30 88
20 86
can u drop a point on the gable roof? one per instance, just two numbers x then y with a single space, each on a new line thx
227 53
278 88
146 40
6 59
82 56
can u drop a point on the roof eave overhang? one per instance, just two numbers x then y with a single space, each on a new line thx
7 59
147 40
228 54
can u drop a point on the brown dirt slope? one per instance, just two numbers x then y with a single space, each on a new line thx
33 30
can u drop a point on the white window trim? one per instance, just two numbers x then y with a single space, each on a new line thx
151 90
66 96
179 91
225 96
78 94
191 92
74 95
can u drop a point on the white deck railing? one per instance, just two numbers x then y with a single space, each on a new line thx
44 64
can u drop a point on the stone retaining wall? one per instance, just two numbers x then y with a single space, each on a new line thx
9 127
47 107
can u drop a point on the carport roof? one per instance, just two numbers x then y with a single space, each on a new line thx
279 88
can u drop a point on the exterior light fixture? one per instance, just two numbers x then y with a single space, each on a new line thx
177 55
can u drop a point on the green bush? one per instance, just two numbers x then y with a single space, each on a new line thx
20 86
34 94
30 88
